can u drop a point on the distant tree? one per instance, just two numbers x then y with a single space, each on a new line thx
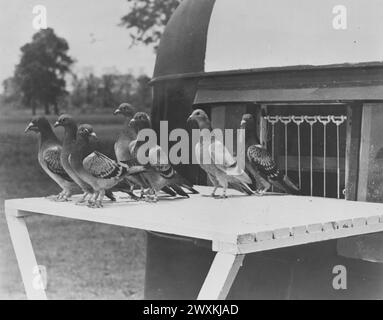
41 72
109 90
11 90
147 19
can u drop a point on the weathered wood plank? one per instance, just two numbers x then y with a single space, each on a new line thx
221 276
25 255
353 137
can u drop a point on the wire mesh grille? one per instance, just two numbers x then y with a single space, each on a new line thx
287 125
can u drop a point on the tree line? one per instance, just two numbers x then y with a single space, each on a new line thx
40 78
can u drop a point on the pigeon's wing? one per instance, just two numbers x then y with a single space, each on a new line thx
159 160
225 162
51 157
220 156
102 167
262 161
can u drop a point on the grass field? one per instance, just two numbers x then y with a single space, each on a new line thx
83 260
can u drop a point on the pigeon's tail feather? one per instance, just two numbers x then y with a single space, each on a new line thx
179 190
191 189
109 195
241 187
287 186
169 191
185 183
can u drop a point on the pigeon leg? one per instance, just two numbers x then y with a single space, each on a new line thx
152 196
223 196
214 191
64 196
92 203
55 197
67 194
142 193
83 198
266 187
98 200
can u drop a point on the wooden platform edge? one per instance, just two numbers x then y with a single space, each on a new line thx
11 210
299 235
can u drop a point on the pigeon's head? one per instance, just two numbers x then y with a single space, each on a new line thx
38 124
248 121
141 120
125 109
201 118
86 131
64 120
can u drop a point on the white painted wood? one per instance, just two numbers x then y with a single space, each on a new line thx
294 241
236 226
235 220
221 276
25 255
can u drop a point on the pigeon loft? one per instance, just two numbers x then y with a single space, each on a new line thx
317 95
319 109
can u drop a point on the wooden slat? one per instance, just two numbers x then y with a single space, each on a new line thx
207 96
353 136
365 145
25 255
298 231
221 276
282 233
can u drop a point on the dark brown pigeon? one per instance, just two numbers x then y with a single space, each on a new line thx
70 127
96 169
260 164
161 174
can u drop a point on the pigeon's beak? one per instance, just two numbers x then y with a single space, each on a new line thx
243 122
30 127
93 134
191 118
132 122
116 112
56 124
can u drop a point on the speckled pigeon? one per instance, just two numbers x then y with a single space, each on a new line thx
96 169
260 163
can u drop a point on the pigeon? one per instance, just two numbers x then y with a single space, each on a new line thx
162 175
49 157
260 163
70 128
121 147
214 158
96 169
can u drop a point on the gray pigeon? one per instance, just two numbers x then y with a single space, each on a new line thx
214 158
49 154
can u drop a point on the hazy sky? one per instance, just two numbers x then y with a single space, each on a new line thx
90 27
